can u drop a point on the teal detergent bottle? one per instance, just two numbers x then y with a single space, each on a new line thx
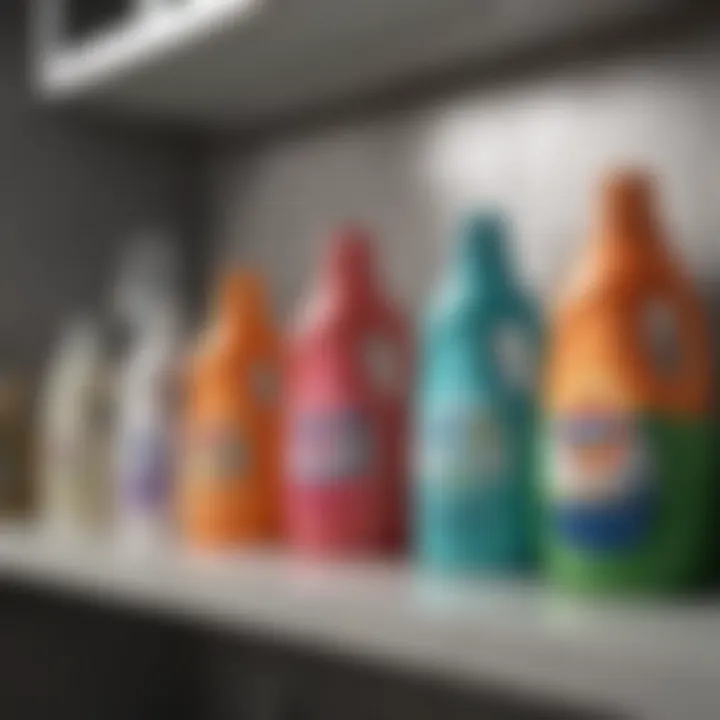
475 412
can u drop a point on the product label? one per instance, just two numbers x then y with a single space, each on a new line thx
461 446
331 447
602 486
219 456
514 356
146 479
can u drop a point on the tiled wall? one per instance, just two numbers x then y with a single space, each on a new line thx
535 147
72 189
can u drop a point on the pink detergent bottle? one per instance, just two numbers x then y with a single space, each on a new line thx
348 371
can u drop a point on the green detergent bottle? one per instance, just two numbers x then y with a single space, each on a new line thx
627 490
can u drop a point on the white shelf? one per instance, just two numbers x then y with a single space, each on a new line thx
658 662
226 63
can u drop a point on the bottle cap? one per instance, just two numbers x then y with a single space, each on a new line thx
348 264
481 247
626 205
241 293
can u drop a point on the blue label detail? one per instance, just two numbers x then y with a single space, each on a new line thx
603 490
146 479
461 446
331 446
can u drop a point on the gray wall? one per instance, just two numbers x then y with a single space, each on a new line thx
535 144
71 190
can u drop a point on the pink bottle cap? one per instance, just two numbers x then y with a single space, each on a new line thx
348 266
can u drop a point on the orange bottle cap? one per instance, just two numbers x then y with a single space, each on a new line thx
240 292
626 206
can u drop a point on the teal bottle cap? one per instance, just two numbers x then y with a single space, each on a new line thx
481 247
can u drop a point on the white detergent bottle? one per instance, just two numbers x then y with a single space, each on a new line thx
146 431
76 433
145 302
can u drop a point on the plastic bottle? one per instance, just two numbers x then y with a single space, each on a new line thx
17 494
77 433
146 312
229 489
147 431
475 411
345 410
627 489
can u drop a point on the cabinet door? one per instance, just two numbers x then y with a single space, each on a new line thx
71 659
255 682
61 658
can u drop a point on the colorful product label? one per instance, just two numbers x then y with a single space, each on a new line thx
146 480
219 456
332 446
603 490
461 446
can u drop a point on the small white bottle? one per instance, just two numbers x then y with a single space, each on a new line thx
76 434
145 302
147 431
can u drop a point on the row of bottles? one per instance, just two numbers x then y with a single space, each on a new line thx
485 444
106 436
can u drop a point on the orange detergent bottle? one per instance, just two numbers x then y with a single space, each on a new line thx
228 490
628 489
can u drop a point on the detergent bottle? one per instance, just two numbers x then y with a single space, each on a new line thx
147 430
147 277
475 411
627 490
146 308
228 492
345 410
76 434
16 483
